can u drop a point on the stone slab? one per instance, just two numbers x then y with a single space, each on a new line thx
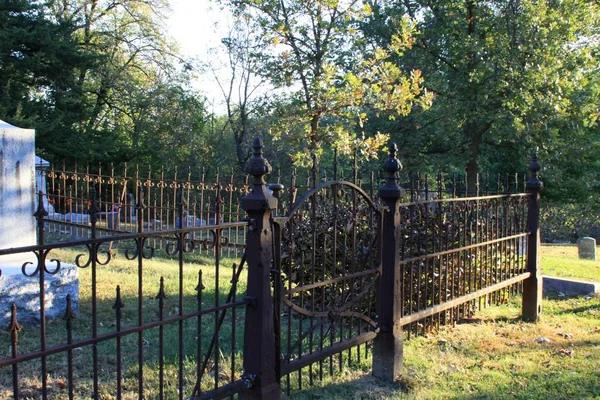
570 286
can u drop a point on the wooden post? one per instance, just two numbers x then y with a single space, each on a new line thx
532 286
259 336
388 346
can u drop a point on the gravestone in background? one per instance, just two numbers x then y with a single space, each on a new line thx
18 203
587 248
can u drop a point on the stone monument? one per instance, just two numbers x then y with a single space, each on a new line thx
18 203
586 247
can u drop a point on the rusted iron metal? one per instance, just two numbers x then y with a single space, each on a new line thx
532 287
389 343
259 338
333 273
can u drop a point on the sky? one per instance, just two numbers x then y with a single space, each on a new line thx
198 25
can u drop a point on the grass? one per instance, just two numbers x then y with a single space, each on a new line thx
563 262
495 356
124 273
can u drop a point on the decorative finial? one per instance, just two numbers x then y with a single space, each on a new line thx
41 211
69 313
258 165
13 327
391 166
534 184
259 197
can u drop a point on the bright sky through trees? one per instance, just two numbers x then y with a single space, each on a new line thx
198 26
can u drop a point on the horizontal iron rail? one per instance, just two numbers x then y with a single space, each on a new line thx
225 391
331 281
428 312
120 238
295 365
463 248
123 332
463 199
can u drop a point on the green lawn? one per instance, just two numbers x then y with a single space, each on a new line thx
563 262
493 356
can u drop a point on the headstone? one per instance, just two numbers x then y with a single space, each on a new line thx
17 190
587 248
112 220
18 203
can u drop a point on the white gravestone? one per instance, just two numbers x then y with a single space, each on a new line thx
17 190
18 203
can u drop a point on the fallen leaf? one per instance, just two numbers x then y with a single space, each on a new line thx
454 368
566 352
61 383
565 335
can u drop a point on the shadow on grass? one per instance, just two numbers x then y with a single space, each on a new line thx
365 387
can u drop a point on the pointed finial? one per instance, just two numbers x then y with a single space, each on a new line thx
41 211
161 291
118 302
534 184
14 326
200 287
69 313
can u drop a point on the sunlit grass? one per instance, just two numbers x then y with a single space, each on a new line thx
124 273
493 356
563 262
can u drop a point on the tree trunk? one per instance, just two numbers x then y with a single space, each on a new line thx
475 136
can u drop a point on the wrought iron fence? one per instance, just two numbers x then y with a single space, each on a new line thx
273 298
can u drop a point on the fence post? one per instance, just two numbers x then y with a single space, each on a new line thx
388 346
259 336
532 286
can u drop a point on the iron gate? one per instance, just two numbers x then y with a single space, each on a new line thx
327 265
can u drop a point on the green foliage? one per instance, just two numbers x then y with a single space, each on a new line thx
507 77
99 82
330 73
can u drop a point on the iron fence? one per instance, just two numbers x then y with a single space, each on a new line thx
275 298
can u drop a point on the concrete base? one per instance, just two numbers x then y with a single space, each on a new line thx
570 286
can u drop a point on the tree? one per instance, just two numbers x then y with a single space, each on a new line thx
331 74
37 56
244 90
507 75
89 76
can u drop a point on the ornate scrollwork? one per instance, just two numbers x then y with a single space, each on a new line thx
140 249
210 244
189 245
41 257
93 255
